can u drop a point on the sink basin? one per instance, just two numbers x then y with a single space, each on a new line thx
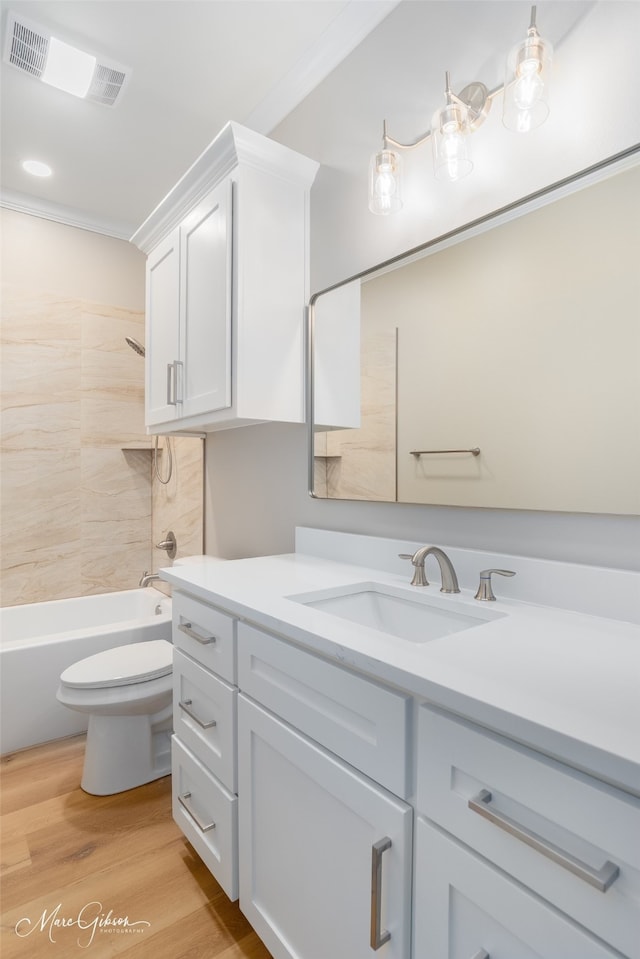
417 617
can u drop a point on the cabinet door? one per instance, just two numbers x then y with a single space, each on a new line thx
466 909
309 825
162 326
204 379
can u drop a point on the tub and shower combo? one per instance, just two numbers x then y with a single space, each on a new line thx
40 641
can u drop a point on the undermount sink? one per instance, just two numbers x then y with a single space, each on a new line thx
419 617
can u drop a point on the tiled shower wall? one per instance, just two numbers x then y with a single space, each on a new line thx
76 479
80 511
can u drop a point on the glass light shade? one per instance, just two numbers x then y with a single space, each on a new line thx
68 68
526 85
385 183
449 138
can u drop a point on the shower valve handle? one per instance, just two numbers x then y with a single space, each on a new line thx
169 544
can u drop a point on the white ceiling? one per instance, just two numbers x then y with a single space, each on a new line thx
198 63
195 64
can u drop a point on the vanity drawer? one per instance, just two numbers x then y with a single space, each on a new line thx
465 909
205 634
207 814
551 827
364 723
204 717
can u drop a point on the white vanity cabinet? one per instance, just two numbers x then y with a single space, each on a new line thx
325 852
550 864
204 743
227 285
471 797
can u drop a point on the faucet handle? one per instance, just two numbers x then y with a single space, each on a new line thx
485 591
419 578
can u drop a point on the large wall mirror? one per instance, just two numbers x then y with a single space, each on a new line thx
497 367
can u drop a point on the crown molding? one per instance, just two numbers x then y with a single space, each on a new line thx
341 37
234 146
36 206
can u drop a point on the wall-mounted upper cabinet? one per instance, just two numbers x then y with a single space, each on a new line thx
227 286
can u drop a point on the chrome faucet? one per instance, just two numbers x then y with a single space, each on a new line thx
147 578
447 572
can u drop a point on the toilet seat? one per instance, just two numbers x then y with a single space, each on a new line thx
121 666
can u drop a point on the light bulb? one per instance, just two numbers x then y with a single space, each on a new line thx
528 89
449 139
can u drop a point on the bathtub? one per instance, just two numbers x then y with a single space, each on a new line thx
39 640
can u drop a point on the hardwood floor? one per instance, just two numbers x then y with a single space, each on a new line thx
74 864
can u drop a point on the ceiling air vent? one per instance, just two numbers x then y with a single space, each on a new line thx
106 84
26 48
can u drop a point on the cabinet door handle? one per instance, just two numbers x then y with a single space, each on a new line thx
185 704
187 807
600 878
171 384
482 954
178 386
378 936
188 629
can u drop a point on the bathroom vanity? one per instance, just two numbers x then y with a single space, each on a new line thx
377 767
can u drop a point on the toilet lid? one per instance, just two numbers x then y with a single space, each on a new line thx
122 665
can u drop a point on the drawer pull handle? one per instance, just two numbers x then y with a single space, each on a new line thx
600 878
187 806
378 936
188 630
483 954
185 704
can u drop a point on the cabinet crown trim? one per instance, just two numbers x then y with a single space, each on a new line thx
234 145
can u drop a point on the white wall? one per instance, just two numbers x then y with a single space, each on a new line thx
257 476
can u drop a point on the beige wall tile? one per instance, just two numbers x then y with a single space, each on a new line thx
178 506
116 518
40 536
76 506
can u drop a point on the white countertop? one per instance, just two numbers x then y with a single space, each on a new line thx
563 682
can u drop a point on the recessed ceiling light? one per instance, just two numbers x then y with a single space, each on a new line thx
36 168
68 68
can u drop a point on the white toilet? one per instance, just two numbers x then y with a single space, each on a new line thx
127 692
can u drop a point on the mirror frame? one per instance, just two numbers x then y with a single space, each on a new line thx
532 201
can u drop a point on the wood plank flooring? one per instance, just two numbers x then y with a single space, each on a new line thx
90 861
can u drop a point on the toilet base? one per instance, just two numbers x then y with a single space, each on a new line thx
123 752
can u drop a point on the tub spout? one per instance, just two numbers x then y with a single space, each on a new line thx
147 578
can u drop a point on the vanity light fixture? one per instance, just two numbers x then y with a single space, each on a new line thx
526 90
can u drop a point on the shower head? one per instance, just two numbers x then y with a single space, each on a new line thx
138 347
